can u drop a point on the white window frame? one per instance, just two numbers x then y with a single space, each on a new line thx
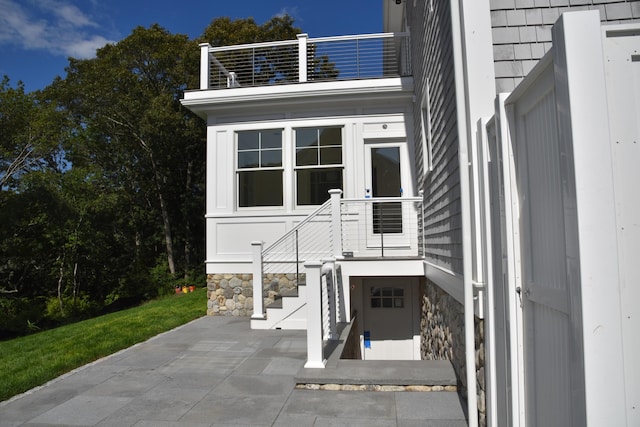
281 168
426 131
296 168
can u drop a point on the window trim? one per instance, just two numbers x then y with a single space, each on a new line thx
239 170
426 131
296 168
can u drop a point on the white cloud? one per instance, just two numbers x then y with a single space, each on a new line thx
291 11
54 25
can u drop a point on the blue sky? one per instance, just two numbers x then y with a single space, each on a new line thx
37 36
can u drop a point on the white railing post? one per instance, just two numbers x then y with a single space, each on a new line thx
329 270
258 300
315 357
336 223
205 65
302 57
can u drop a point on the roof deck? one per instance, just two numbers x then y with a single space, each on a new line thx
326 59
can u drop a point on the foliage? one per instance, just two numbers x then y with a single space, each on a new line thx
30 361
102 178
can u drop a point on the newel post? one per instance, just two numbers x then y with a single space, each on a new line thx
205 65
256 269
302 57
315 357
336 223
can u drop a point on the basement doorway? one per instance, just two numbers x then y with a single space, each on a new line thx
390 319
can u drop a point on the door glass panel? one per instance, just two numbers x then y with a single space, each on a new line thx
385 172
386 182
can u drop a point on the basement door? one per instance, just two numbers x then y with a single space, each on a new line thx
389 327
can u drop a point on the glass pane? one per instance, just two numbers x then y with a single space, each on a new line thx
387 292
398 302
375 302
306 137
330 136
375 292
386 303
331 156
248 159
313 185
260 188
271 139
271 158
248 140
306 157
385 171
399 292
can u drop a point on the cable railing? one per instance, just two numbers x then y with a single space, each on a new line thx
381 227
310 239
305 60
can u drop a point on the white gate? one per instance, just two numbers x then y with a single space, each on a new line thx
557 311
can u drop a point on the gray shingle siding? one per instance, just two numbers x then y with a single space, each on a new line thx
432 48
522 31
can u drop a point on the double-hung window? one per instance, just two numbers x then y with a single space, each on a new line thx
318 166
259 168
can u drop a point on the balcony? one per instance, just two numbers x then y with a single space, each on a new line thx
326 59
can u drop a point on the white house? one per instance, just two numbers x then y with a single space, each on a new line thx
493 230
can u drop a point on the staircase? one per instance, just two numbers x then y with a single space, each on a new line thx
289 311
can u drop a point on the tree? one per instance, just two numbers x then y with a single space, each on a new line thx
126 102
30 134
264 65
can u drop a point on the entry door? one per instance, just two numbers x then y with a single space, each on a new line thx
386 223
388 319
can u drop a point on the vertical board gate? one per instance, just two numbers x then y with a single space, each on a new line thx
559 351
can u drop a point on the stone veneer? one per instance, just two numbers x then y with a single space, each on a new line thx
442 329
232 294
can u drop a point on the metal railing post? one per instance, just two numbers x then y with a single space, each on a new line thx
315 356
258 301
336 222
205 65
302 57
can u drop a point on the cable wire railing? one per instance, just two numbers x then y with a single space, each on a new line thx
305 60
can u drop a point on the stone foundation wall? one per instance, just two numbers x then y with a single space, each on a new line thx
232 294
442 329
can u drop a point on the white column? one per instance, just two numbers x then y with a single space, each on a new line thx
315 357
204 65
302 57
256 268
336 223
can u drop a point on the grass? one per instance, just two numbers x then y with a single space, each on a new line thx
32 360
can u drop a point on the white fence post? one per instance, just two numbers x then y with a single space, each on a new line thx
302 57
336 223
204 65
315 357
258 301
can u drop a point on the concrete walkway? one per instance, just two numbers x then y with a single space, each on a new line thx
216 371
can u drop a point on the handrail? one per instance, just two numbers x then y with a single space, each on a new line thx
296 229
364 56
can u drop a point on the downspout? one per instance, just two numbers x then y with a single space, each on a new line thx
465 198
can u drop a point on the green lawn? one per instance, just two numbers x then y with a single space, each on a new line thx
30 361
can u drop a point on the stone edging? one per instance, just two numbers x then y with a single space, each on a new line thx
375 387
